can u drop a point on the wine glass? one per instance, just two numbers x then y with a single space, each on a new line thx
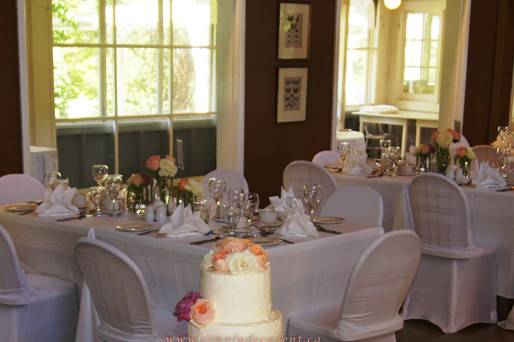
113 185
250 206
51 179
344 149
235 196
96 196
217 188
232 216
100 173
311 197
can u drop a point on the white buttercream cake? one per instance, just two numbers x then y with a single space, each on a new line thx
236 288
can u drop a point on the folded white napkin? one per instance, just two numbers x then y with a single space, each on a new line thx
183 223
298 223
281 203
488 177
356 164
58 202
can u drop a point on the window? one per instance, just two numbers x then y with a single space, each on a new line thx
130 77
361 54
421 53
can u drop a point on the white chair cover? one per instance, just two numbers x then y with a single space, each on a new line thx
378 285
358 204
486 153
33 307
120 295
324 158
234 180
455 285
300 172
20 188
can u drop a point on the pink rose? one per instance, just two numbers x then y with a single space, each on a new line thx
232 245
202 313
183 307
153 162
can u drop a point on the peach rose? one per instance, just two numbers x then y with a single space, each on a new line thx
202 313
153 162
461 152
135 179
260 254
232 245
219 261
182 183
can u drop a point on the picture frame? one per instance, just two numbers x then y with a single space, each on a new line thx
292 94
294 30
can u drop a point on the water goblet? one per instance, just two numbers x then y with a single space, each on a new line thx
96 196
312 197
100 173
217 188
250 206
113 185
232 217
344 149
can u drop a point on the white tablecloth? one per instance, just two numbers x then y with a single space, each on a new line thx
308 274
492 218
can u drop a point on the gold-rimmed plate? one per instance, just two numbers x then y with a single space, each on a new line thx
328 220
133 227
21 207
266 241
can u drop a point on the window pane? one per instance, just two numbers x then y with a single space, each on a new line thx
191 22
434 53
413 52
435 27
75 21
191 80
76 82
414 26
416 81
431 76
138 82
137 21
356 78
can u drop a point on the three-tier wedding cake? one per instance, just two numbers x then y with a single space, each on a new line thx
235 295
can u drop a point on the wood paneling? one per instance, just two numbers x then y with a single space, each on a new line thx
269 146
10 128
489 74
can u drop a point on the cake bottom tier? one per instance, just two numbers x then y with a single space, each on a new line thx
270 329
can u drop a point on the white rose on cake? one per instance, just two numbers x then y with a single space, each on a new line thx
242 262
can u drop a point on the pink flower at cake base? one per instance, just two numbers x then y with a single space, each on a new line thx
202 313
183 307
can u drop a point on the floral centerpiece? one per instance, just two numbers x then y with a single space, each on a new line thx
503 144
188 190
443 140
423 153
164 170
463 157
138 188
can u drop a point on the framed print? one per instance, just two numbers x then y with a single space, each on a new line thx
292 94
293 40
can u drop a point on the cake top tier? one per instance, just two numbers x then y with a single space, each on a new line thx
236 256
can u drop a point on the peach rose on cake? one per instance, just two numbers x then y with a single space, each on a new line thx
260 254
202 313
232 245
219 261
153 162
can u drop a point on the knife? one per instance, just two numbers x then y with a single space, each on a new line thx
326 230
78 217
205 241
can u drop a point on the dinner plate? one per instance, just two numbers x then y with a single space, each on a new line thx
266 241
133 227
19 208
328 220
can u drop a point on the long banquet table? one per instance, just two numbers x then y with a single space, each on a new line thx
308 274
492 218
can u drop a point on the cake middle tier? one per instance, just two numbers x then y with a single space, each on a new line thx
242 298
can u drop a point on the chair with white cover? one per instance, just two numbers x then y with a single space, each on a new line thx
456 282
33 307
301 172
20 188
486 153
325 158
233 178
378 285
120 296
358 204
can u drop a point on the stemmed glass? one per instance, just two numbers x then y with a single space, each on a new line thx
95 196
217 188
51 179
344 150
100 173
311 197
236 196
232 217
113 185
250 206
504 149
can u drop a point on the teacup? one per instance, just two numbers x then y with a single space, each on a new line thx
268 215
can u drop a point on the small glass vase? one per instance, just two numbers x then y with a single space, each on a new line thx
442 159
422 163
463 172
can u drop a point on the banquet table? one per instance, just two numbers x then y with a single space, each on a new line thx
492 218
310 273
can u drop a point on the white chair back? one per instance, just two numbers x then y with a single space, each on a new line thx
118 289
441 216
20 188
358 204
378 285
486 153
12 276
234 180
301 172
324 158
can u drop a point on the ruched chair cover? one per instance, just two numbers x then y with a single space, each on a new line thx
324 158
358 204
33 307
120 296
234 180
486 153
300 173
20 188
378 285
456 282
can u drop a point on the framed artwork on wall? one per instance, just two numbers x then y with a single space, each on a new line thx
293 31
292 94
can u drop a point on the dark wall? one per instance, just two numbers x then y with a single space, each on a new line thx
489 75
10 128
269 146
